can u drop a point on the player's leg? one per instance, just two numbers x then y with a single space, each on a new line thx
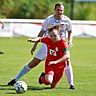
46 78
25 70
57 76
51 77
53 85
41 54
69 74
34 62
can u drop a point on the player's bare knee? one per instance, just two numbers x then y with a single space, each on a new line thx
49 78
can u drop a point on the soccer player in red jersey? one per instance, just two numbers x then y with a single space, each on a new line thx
57 55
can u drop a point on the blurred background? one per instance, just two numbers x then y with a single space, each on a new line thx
33 9
25 17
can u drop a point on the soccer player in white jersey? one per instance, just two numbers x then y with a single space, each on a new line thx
56 19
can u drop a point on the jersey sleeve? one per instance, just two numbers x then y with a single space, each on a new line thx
64 46
44 40
45 25
69 26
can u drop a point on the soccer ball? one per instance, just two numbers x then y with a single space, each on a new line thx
20 87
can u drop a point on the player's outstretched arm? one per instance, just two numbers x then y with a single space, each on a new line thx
36 43
37 39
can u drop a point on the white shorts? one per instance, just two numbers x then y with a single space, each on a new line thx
42 53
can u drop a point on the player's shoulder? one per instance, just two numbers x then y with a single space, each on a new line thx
63 42
66 18
46 38
50 16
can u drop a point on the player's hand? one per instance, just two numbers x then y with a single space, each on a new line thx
33 49
29 40
70 44
52 62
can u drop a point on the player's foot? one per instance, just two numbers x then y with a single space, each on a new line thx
42 74
12 82
72 87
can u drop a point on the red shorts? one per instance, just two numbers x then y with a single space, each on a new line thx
56 72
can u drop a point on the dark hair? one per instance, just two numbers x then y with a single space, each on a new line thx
58 4
56 27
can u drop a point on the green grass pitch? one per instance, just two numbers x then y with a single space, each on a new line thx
17 54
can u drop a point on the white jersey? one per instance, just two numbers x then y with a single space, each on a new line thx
50 20
65 22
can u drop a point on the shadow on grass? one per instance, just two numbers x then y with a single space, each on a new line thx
8 88
33 88
5 87
12 90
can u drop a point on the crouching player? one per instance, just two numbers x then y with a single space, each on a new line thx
57 55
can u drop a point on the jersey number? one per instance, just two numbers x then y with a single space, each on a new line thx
52 52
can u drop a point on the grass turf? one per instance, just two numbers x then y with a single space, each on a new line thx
17 54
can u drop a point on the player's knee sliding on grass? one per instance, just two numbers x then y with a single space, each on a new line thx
49 79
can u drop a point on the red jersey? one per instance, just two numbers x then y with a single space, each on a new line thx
55 51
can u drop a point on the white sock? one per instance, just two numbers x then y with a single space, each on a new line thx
22 72
69 74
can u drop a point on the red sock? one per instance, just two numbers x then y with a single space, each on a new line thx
44 80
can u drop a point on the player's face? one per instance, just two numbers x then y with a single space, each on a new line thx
59 10
54 36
